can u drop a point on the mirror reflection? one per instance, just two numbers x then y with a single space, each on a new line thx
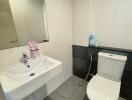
22 21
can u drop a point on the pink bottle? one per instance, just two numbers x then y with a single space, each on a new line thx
34 49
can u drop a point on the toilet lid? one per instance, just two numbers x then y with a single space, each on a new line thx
100 88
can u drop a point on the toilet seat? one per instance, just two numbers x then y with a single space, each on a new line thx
100 88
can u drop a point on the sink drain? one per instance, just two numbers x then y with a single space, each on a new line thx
32 74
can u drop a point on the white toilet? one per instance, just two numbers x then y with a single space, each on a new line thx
105 85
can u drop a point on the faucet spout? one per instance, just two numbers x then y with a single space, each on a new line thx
24 60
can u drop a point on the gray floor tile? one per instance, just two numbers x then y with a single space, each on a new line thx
80 93
69 87
55 96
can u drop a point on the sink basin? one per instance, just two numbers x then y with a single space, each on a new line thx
20 81
37 66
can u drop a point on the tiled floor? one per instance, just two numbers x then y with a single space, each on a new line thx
70 90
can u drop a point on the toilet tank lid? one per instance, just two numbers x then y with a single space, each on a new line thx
113 56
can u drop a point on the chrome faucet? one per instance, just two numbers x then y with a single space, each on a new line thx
24 60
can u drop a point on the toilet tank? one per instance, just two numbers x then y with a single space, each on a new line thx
111 66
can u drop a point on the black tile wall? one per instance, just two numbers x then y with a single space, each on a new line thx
80 52
81 61
80 66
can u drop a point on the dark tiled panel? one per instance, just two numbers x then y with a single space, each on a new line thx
126 93
127 79
129 62
80 52
83 52
80 66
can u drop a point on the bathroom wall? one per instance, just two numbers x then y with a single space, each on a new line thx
109 20
113 23
59 46
81 23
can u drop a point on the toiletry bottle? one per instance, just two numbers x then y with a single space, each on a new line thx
34 49
92 40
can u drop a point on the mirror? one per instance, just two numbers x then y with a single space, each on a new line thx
22 21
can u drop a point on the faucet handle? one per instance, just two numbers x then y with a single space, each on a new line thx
24 55
24 58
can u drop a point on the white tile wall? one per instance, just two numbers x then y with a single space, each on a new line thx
81 22
109 20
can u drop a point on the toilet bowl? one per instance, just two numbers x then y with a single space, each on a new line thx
105 85
100 88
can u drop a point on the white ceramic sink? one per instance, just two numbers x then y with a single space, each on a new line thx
20 81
